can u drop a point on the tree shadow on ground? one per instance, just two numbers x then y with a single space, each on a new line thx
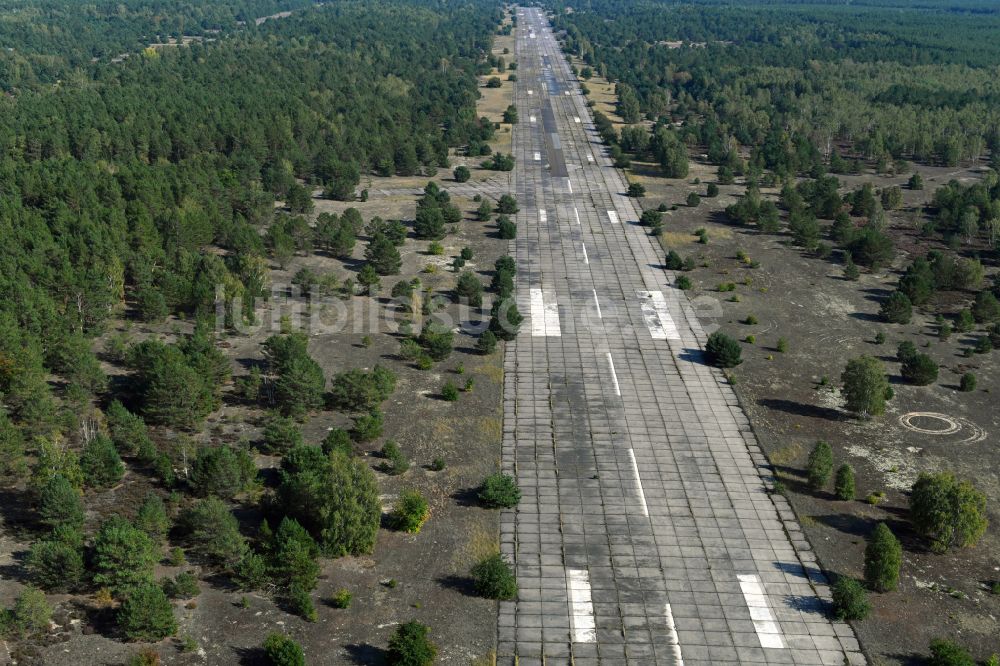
466 496
365 653
801 409
463 584
862 526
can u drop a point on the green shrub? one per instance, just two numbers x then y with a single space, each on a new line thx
281 434
411 646
487 343
213 531
683 282
947 512
897 309
843 483
849 600
820 466
280 650
866 387
183 586
300 603
30 614
60 504
338 440
341 599
146 614
883 557
223 471
449 392
782 345
145 657
506 228
152 518
920 369
723 351
947 653
968 382
461 174
674 261
693 200
410 512
395 461
494 578
123 556
55 564
101 465
499 491
367 427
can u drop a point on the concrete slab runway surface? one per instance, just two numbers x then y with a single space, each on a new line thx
646 534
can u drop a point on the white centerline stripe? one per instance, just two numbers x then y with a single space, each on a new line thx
542 216
538 157
581 606
638 483
597 303
531 118
613 216
576 213
569 185
672 640
768 632
586 259
590 158
614 375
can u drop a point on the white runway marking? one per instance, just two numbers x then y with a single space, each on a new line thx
537 313
538 157
613 216
656 315
614 375
586 259
531 118
581 606
672 640
590 158
576 213
763 620
531 92
543 216
569 185
597 303
638 483
544 314
576 119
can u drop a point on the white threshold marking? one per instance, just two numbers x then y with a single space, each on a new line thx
576 214
614 375
538 157
581 606
542 216
544 314
672 640
763 620
656 315
613 216
597 303
586 259
638 483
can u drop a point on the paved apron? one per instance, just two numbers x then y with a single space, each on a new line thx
645 534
